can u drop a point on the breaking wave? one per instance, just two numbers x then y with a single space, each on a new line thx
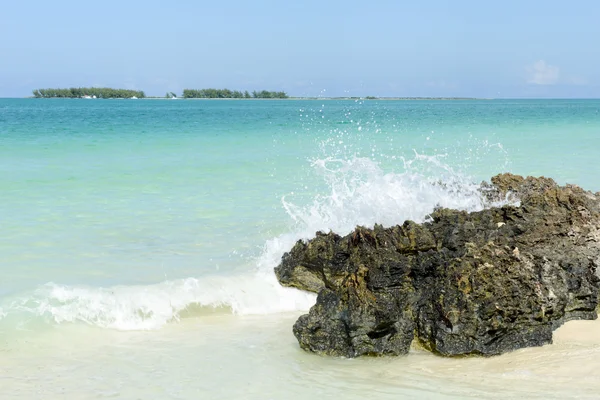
358 192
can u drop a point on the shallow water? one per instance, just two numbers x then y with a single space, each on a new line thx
138 240
222 356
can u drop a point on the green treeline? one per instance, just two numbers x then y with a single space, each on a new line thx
231 94
101 93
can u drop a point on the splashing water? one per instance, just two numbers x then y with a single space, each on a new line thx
362 194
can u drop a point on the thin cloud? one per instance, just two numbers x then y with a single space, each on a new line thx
541 73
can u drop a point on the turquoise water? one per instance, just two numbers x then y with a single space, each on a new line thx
161 220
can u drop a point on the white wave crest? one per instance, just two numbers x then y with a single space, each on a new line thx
152 306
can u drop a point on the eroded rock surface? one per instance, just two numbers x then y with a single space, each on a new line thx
484 282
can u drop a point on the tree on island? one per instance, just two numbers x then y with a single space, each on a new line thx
101 93
229 94
264 94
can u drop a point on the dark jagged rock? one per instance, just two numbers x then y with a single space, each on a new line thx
484 282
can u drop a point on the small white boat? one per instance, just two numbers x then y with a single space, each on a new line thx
134 97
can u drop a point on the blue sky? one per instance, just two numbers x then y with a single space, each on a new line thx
527 48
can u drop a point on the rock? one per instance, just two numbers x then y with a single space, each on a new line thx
483 283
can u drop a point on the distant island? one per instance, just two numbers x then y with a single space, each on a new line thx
89 93
109 93
231 94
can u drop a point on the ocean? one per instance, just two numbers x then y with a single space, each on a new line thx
138 240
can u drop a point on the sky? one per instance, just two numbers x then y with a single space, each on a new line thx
464 48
